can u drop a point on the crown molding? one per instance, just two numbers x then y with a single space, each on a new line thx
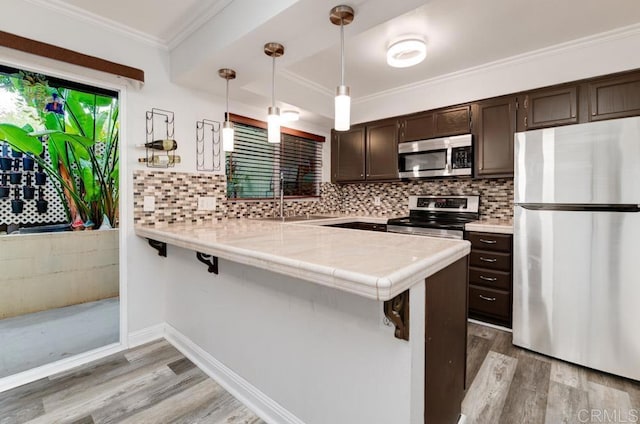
312 85
199 18
579 43
89 17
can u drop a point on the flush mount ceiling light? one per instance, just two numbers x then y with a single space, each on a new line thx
342 15
273 50
405 53
227 126
290 115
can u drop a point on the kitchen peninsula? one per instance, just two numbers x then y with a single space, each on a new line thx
329 324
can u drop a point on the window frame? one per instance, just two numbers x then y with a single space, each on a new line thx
243 120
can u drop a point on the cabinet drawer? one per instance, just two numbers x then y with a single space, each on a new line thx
489 278
491 260
489 301
490 241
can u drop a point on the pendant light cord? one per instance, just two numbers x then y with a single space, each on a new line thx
341 52
227 100
273 83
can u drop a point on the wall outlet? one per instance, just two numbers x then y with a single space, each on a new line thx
149 204
206 203
376 201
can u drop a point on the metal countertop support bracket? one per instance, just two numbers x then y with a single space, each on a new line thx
397 311
160 246
209 260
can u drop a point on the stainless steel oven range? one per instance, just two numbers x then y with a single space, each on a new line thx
437 216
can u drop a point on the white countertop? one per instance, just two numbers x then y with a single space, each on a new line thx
375 265
491 225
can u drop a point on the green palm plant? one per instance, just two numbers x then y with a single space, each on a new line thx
82 144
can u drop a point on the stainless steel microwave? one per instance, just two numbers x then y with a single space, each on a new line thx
437 157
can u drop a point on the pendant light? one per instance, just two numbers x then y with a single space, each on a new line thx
227 126
273 113
342 15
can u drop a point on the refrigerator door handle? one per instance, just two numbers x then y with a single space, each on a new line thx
575 207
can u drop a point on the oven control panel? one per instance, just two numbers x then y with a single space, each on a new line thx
445 203
442 202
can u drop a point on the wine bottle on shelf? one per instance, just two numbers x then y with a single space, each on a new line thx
161 160
166 145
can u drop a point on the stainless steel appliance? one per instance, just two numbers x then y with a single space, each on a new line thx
437 216
576 238
437 157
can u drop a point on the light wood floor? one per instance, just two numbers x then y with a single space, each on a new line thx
155 384
151 384
515 386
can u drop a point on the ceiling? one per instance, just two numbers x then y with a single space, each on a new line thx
204 35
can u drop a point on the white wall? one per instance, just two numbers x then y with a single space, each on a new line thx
324 355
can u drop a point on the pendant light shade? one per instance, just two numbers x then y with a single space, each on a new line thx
227 126
342 15
273 124
342 109
227 136
273 50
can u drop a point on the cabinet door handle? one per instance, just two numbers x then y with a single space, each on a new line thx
490 260
482 277
485 241
488 299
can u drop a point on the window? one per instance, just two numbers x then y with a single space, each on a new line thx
255 166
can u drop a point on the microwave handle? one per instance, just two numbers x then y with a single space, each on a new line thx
448 167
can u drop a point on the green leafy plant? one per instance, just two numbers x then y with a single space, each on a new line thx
82 144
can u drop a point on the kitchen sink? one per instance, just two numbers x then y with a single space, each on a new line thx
295 218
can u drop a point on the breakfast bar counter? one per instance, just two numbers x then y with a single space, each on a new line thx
371 264
307 323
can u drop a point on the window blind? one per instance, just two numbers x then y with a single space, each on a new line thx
254 167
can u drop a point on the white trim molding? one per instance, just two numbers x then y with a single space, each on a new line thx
66 364
86 16
146 335
265 407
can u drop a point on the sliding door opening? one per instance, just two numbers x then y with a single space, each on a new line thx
59 204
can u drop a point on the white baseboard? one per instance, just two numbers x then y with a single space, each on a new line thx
265 407
146 335
62 365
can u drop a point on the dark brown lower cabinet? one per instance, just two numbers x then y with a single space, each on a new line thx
490 277
446 343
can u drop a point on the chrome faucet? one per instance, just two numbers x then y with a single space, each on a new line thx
282 195
281 198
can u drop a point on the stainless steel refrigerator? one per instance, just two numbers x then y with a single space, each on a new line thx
576 293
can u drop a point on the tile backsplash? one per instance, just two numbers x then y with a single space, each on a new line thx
176 198
496 195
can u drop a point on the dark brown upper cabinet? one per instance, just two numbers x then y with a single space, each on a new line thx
382 150
494 128
549 107
438 123
453 121
347 155
365 153
420 126
615 97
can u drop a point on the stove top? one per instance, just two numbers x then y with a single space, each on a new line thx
440 212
